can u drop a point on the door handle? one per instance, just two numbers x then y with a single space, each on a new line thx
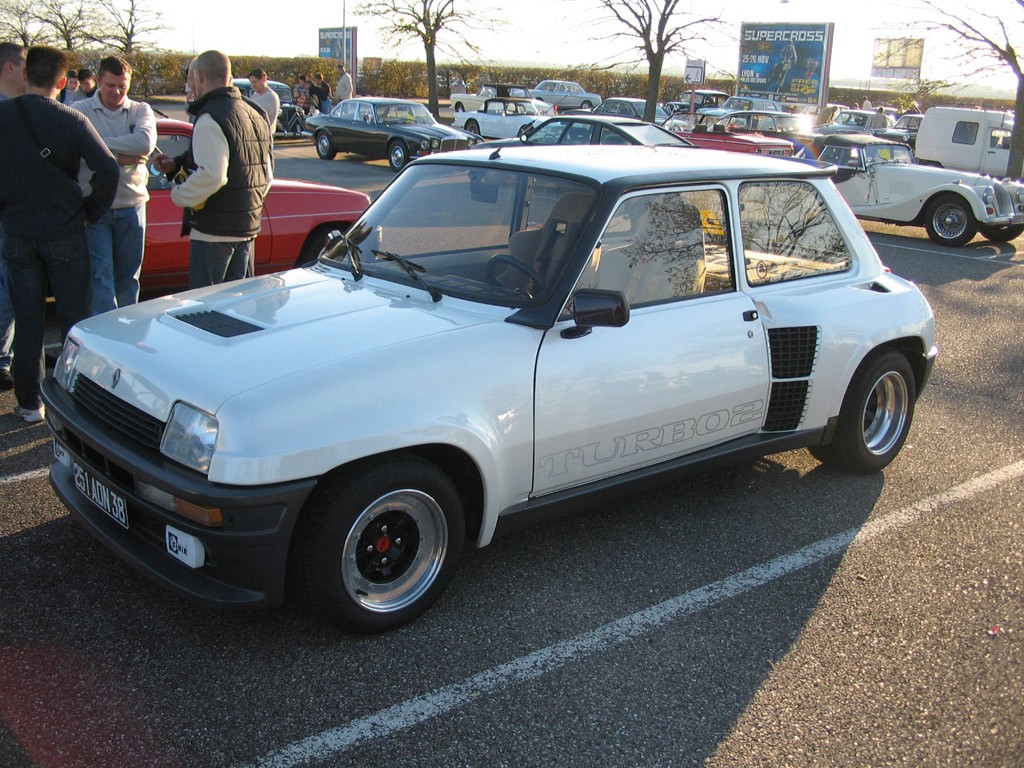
750 315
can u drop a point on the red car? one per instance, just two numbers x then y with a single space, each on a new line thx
715 136
297 216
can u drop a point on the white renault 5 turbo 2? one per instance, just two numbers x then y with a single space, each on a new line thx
499 336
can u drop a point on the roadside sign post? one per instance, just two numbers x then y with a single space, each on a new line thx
694 75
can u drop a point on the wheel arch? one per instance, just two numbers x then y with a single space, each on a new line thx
464 473
972 201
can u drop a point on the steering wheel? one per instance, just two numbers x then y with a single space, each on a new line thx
507 260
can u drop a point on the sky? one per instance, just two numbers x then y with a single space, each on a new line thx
557 32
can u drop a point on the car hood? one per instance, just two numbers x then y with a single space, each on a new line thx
935 176
242 335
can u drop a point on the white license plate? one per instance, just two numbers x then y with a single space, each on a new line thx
1018 218
97 491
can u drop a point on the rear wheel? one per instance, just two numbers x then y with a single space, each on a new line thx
1001 234
324 146
586 105
398 155
875 417
378 543
950 221
459 107
473 126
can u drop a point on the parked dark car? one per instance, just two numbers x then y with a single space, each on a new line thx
593 129
627 107
395 129
290 120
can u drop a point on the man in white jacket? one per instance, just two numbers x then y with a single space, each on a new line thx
117 241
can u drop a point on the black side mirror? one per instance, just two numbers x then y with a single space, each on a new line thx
595 308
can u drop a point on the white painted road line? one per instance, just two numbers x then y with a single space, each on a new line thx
420 709
22 477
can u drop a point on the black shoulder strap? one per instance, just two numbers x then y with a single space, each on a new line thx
44 151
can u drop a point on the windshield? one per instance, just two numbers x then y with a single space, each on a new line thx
495 236
403 112
888 153
653 135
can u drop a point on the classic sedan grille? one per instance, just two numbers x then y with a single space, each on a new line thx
450 145
116 413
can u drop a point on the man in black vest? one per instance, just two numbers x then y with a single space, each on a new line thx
43 144
229 172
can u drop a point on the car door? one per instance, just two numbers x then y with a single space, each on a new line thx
997 156
688 370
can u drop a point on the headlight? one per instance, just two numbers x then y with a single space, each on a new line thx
1020 194
435 144
190 437
64 369
425 144
988 195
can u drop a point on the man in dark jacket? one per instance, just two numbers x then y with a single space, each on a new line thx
229 173
43 212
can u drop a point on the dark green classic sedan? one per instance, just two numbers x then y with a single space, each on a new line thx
395 129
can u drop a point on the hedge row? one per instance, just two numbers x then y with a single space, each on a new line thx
164 73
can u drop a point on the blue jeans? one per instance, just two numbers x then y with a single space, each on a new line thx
116 245
6 313
213 263
31 264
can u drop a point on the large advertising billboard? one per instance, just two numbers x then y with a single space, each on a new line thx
785 62
339 43
898 57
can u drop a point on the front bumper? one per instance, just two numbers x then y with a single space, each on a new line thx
246 558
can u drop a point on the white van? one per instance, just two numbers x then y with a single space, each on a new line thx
965 139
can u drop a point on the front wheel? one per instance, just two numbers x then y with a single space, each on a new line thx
1001 234
324 146
950 221
459 107
398 155
875 416
473 126
378 543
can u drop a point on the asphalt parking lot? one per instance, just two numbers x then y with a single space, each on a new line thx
772 614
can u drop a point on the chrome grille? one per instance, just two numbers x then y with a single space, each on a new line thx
116 413
450 145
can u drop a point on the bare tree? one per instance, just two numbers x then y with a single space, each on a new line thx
70 24
19 23
988 40
128 24
425 20
656 28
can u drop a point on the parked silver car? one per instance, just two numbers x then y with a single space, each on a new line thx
565 94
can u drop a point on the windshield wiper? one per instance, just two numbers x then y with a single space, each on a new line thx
335 241
412 270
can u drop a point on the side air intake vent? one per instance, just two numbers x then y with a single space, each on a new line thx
794 351
786 405
218 324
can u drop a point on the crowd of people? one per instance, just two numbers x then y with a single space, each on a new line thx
73 192
317 96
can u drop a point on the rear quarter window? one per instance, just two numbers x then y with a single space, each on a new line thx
965 132
788 233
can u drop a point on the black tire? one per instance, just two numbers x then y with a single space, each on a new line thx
586 105
324 146
315 242
1001 234
875 418
950 221
473 126
459 107
398 155
377 543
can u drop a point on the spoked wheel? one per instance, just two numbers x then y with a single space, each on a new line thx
950 221
378 543
875 417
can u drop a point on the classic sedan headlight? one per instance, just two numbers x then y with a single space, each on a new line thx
190 437
64 369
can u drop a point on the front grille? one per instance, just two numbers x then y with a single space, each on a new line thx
794 351
116 413
450 145
786 405
218 324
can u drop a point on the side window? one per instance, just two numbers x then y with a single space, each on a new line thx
788 233
611 136
578 133
1000 139
664 247
965 132
365 113
347 110
549 133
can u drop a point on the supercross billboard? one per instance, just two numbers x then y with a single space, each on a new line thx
785 62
